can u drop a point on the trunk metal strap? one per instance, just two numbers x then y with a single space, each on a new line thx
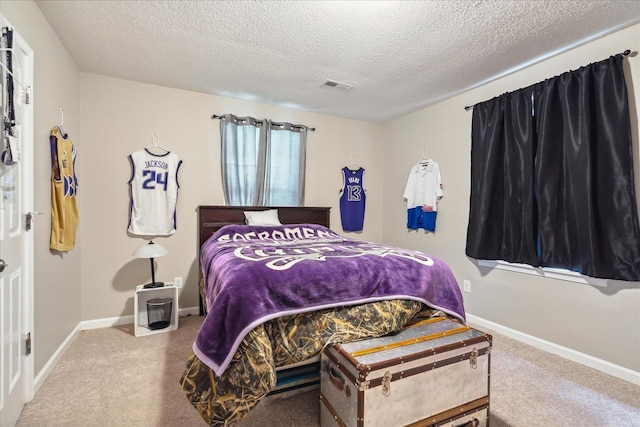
410 341
427 321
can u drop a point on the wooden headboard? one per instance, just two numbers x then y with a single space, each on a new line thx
212 218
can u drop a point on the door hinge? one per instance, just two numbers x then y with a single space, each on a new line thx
28 344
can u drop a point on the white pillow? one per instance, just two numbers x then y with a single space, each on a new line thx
268 217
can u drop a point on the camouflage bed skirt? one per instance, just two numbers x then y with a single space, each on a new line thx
225 400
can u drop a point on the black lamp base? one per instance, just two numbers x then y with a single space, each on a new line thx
154 285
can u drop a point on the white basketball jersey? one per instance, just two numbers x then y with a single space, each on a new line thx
154 193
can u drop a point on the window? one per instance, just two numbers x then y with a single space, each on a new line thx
263 162
284 169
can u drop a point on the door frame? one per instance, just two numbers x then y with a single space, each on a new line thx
27 194
28 179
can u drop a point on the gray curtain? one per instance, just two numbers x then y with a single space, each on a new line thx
263 163
243 159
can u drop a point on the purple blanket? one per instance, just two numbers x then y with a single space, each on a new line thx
254 274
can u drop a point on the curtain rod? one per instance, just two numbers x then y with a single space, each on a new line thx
213 117
625 53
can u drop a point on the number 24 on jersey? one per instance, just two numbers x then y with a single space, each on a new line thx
153 179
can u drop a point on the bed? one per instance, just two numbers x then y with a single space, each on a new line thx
291 290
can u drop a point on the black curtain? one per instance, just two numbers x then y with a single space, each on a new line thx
554 188
586 196
501 217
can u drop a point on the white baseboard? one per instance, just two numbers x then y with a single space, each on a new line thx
189 311
573 355
53 360
83 326
108 322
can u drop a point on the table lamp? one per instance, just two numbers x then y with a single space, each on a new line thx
151 251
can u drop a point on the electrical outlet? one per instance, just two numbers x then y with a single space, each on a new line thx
466 285
177 281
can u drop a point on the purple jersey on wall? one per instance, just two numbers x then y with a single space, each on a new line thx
352 200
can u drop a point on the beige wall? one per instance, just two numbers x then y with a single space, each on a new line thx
602 322
119 117
57 276
109 118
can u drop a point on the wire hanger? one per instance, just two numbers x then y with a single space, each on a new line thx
25 87
61 124
353 165
154 144
16 63
15 79
424 160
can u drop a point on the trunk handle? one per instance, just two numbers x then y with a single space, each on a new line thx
335 378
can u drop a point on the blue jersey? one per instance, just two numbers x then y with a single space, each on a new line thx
352 200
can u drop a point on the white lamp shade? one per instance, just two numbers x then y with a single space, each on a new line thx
150 250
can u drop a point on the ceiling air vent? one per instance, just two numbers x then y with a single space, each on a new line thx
338 85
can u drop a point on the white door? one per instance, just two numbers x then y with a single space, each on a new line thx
16 242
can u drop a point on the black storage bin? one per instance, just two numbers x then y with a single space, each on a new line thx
159 312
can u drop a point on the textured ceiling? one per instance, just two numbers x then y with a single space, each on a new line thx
399 56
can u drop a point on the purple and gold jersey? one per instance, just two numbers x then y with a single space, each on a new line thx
64 187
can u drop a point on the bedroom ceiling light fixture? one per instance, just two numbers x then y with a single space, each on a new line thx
151 251
337 85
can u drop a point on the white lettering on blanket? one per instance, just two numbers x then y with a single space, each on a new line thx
281 248
280 234
283 258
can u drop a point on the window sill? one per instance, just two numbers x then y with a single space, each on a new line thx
550 273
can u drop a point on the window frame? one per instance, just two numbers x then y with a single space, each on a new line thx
546 272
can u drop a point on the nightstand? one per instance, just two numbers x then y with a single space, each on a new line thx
141 304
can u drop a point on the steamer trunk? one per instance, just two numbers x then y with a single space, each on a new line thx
433 373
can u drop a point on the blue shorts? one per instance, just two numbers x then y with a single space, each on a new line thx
417 218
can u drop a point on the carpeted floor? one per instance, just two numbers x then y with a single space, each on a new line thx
108 377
